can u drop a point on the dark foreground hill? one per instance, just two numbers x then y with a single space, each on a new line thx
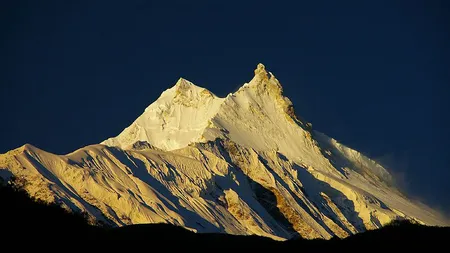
34 223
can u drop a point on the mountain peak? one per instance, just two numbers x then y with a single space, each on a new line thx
178 117
186 91
260 68
184 84
265 82
260 74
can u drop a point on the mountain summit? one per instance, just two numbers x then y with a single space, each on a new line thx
243 164
178 117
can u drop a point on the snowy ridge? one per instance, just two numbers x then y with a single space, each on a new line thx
244 164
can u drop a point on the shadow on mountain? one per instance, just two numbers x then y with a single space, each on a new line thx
23 217
139 170
269 201
27 223
346 206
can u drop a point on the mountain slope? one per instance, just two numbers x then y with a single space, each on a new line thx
244 164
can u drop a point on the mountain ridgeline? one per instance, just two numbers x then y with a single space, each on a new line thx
245 164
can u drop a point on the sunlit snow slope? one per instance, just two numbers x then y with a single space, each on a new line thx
244 164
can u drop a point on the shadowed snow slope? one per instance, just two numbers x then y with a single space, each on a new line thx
244 164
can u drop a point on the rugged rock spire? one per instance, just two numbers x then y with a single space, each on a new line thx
260 73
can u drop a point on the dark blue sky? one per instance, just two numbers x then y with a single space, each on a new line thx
373 75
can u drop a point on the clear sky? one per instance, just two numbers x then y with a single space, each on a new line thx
373 75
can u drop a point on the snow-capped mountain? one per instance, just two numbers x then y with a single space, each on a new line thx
243 164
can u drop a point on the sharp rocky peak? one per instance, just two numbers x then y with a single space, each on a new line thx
183 84
264 82
186 90
261 73
262 76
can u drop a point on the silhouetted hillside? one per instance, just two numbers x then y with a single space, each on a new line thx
23 216
23 219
